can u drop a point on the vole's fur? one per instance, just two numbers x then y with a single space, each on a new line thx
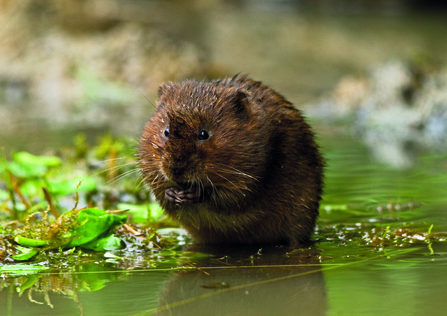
233 162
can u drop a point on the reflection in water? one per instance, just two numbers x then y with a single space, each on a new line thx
241 281
248 281
112 293
405 284
251 291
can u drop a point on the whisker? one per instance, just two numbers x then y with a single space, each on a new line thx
213 187
122 176
233 170
114 168
158 179
224 196
202 186
139 184
147 99
237 188
113 159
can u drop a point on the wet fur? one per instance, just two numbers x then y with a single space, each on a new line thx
257 179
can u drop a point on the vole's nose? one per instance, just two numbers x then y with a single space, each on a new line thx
177 172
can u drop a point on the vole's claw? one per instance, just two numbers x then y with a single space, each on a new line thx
178 197
171 194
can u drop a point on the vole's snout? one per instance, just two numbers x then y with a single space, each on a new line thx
178 168
177 172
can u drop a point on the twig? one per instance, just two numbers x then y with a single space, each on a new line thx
111 165
77 196
16 189
131 230
50 203
196 267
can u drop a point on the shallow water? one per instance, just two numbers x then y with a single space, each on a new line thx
345 273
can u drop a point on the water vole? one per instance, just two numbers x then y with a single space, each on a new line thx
233 162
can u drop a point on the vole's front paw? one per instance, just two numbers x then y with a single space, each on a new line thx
179 196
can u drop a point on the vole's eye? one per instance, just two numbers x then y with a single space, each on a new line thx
203 135
167 132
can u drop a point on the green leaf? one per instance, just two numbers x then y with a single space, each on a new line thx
25 158
22 269
68 186
4 195
32 187
26 171
138 213
142 213
94 223
26 253
104 244
30 281
93 280
31 242
156 210
26 165
93 231
334 207
3 164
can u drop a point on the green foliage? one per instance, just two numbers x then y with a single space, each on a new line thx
25 253
92 225
54 203
64 187
87 228
23 178
26 165
143 213
22 269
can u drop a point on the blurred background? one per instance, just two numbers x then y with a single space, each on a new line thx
374 67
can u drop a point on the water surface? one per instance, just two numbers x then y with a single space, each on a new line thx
344 273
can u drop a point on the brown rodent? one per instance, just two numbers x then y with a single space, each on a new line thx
233 162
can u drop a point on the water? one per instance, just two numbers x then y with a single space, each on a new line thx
345 273
402 285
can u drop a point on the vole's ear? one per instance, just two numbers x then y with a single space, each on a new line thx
163 88
161 91
239 104
164 93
